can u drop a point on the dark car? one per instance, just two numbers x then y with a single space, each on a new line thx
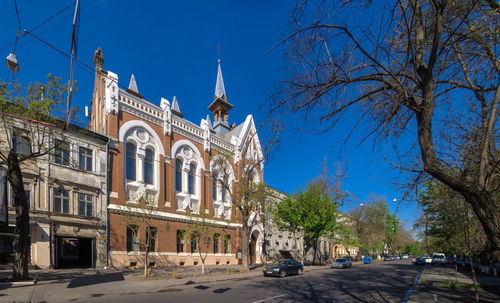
419 261
341 263
388 258
450 260
284 268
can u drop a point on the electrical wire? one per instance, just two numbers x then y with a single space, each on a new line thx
22 35
87 66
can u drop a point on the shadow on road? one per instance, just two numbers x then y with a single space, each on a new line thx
95 279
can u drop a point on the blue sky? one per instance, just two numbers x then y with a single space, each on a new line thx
171 48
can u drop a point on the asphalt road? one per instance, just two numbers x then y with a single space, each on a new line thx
376 282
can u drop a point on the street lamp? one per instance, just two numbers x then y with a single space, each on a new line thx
11 62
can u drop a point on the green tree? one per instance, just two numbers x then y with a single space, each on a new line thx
420 71
310 213
31 118
371 225
345 234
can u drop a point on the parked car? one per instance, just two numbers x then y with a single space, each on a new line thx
428 260
342 263
438 259
388 258
284 268
405 256
450 260
419 261
367 260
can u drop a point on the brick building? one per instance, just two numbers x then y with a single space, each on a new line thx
157 155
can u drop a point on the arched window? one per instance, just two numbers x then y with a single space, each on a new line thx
131 161
214 186
224 184
192 178
148 167
178 175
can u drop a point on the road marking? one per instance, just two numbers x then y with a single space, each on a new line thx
410 290
263 300
435 298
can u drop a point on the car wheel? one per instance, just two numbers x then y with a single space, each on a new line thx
299 272
282 274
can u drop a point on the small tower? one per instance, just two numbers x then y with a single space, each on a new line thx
220 107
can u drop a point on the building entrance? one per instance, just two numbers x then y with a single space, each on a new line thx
75 252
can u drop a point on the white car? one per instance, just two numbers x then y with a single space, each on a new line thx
428 260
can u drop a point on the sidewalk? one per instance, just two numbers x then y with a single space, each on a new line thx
71 285
431 286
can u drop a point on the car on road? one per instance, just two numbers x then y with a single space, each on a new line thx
341 263
419 261
438 259
405 256
367 260
450 260
388 258
284 268
428 260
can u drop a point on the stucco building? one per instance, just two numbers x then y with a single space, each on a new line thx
158 156
65 187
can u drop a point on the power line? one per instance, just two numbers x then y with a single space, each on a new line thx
22 35
87 66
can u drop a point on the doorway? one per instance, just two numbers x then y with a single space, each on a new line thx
75 252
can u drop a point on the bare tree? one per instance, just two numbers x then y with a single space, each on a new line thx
422 70
245 189
201 228
140 217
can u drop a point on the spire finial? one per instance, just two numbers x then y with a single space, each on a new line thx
218 53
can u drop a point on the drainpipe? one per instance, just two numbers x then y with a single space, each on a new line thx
107 203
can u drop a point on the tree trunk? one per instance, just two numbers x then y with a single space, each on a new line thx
244 248
22 232
146 263
485 209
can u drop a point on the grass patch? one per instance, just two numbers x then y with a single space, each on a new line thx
461 285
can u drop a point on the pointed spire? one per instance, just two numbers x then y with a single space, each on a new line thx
209 123
220 91
175 107
133 85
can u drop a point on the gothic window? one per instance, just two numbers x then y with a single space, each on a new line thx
148 167
151 238
214 186
224 184
180 241
178 175
191 179
131 161
216 243
227 244
132 238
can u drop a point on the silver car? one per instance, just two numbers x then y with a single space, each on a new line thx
341 263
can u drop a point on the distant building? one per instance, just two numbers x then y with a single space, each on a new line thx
65 187
159 155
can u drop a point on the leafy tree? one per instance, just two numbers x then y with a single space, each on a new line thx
443 222
30 119
419 71
370 225
345 234
312 213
